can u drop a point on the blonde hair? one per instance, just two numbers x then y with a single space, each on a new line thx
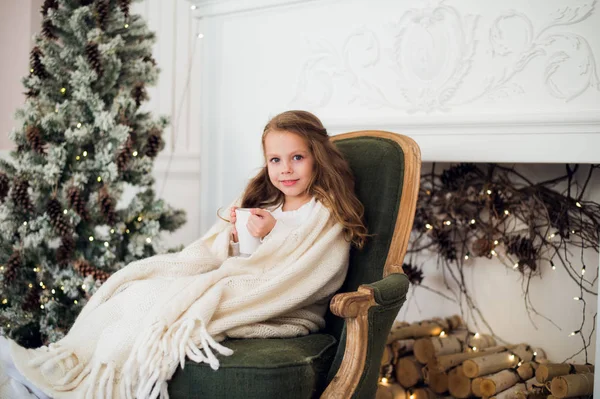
332 182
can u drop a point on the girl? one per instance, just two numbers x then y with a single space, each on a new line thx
147 318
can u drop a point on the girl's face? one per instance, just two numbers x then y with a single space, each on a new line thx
290 165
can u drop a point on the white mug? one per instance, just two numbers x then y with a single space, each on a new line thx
247 242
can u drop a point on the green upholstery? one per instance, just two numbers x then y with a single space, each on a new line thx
261 368
301 367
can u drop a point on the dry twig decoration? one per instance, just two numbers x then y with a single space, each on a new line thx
492 211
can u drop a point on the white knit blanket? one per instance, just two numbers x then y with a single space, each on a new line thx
140 326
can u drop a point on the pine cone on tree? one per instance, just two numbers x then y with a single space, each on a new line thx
4 186
84 268
93 56
48 30
153 143
139 93
13 264
481 247
102 13
65 251
107 206
124 6
32 299
20 195
77 202
34 138
55 212
414 274
150 59
125 154
49 4
36 63
32 93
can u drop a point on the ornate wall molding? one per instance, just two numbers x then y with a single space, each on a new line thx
434 52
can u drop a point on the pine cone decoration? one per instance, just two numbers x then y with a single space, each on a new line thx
154 143
445 245
522 248
36 63
77 202
139 94
124 6
13 264
55 211
4 186
64 253
481 247
48 30
454 177
93 56
414 274
102 12
49 4
107 206
32 299
20 195
34 137
124 155
84 268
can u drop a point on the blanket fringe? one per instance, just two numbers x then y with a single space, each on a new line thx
156 356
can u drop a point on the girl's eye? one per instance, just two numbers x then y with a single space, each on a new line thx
274 160
298 157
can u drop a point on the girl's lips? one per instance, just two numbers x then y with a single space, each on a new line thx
288 182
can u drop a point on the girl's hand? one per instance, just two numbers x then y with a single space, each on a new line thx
232 217
261 222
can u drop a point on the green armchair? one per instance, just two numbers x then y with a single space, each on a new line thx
343 360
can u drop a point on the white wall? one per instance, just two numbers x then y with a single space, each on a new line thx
19 20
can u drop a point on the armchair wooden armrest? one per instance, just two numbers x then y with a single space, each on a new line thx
354 307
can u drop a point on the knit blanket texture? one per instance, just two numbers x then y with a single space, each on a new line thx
148 317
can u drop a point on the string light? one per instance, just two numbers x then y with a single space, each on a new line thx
476 335
99 179
583 270
193 7
472 221
139 219
148 240
63 90
24 223
384 380
474 349
65 211
4 301
534 353
135 154
53 291
412 396
41 306
91 238
552 235
83 286
519 364
30 285
77 157
112 231
576 298
495 242
126 26
553 266
106 244
428 226
578 204
466 256
447 222
506 212
516 265
75 301
127 231
79 125
85 153
511 357
200 35
494 253
443 334
573 333
489 192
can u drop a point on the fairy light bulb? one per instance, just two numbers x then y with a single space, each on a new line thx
384 380
91 238
578 204
472 221
99 179
428 226
466 257
495 242
85 153
65 211
583 270
200 35
443 334
135 154
476 335
489 192
511 357
494 253
576 298
506 212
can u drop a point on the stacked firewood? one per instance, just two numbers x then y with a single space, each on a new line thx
440 358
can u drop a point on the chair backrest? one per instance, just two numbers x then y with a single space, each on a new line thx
386 168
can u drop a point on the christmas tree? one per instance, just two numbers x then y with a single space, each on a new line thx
81 141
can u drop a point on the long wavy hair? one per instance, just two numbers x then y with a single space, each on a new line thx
332 182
